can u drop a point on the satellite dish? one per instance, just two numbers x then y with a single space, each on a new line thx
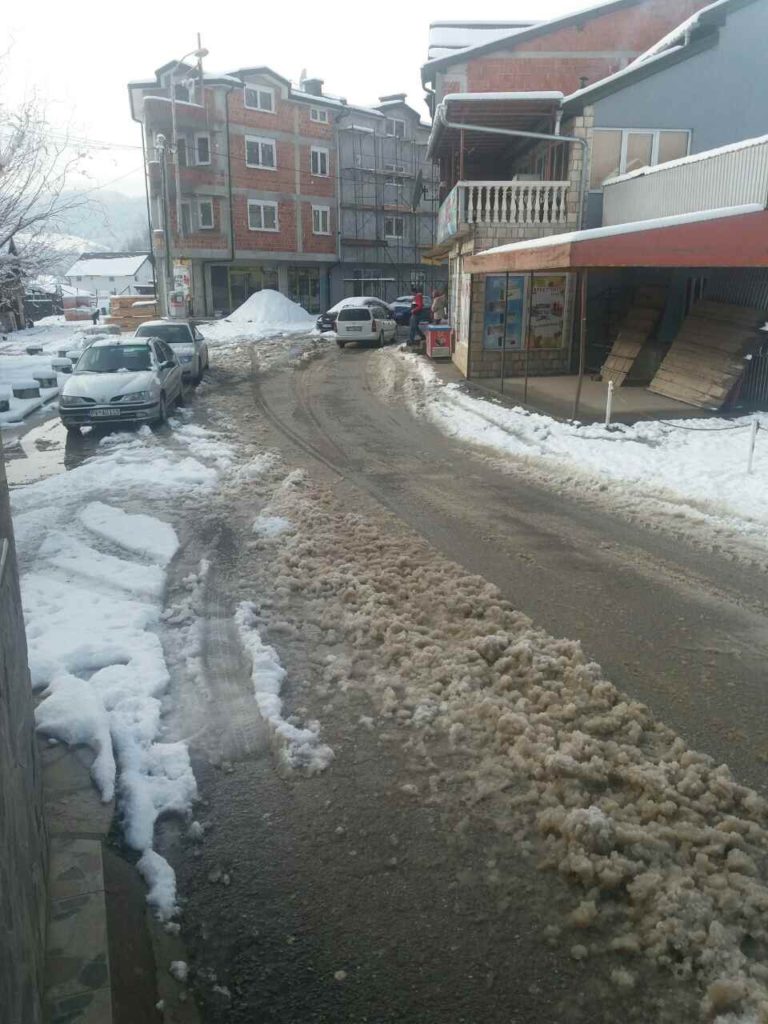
418 191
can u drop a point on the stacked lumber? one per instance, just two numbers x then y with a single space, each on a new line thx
706 358
128 311
634 337
77 314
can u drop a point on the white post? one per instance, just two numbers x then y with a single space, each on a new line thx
609 404
752 440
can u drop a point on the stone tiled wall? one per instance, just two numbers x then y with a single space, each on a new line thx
23 844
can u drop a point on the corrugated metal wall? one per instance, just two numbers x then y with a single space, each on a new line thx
744 287
734 177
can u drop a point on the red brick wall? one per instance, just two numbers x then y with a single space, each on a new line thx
317 243
283 240
632 29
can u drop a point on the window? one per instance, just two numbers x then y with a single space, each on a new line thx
319 161
395 175
395 126
316 114
186 219
393 227
616 151
321 220
262 215
259 97
260 152
202 148
181 150
205 213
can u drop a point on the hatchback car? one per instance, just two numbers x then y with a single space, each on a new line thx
131 381
327 321
185 340
365 323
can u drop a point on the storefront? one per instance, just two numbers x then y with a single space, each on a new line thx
231 285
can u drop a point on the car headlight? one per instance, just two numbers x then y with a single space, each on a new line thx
134 396
185 359
71 400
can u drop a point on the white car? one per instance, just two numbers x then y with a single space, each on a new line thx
136 380
365 323
185 340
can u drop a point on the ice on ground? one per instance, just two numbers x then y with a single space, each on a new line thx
271 526
264 314
179 970
79 560
161 883
142 534
697 465
298 748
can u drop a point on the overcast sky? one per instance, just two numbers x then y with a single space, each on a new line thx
79 57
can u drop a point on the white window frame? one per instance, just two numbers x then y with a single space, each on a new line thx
320 210
394 219
207 137
319 115
259 89
320 151
394 121
261 141
656 134
200 204
261 204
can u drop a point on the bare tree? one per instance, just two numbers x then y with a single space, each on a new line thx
36 164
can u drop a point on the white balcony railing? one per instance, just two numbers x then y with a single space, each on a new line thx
522 203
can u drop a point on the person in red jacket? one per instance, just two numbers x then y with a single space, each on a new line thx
417 312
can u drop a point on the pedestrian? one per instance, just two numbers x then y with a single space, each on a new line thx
439 306
95 316
417 311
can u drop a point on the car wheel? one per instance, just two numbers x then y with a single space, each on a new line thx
162 415
340 343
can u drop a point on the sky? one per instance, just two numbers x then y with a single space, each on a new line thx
79 57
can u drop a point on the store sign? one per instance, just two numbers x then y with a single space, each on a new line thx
547 322
503 324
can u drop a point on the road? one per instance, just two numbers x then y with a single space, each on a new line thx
680 628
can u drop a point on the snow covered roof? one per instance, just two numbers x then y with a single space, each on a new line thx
448 38
478 97
707 154
120 266
678 35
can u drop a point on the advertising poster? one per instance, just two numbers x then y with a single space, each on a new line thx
182 276
547 324
504 312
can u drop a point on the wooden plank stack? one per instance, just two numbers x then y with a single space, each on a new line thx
124 311
706 358
633 338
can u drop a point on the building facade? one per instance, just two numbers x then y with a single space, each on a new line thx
244 180
106 274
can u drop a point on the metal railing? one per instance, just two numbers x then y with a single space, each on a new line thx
520 203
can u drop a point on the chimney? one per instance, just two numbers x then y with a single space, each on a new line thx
314 86
583 81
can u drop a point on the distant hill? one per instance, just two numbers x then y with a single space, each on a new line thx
109 219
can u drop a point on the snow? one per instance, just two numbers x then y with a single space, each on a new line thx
479 97
179 970
142 534
271 526
677 34
297 747
161 883
698 466
264 314
16 365
653 224
119 266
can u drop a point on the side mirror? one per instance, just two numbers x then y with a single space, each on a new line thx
167 365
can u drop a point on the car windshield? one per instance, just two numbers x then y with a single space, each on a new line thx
171 334
114 358
355 313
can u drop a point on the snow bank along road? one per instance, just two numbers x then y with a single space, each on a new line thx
372 787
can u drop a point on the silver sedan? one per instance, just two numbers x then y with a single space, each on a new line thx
131 381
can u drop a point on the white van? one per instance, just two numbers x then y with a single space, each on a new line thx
365 323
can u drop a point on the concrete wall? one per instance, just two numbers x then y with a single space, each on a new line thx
23 848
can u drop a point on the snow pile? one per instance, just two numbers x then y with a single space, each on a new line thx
665 852
297 747
265 314
699 466
93 578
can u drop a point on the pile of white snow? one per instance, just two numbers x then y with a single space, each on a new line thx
265 314
695 468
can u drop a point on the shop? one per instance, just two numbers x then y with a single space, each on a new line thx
232 284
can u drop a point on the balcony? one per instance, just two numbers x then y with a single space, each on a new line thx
499 204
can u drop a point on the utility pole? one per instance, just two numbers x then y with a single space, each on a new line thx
160 142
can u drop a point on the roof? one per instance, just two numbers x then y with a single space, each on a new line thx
448 38
734 236
119 266
692 36
694 158
536 30
516 111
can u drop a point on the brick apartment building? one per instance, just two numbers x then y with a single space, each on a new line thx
257 161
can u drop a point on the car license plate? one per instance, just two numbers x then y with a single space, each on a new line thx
101 412
354 328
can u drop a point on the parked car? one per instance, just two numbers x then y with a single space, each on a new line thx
114 381
327 321
185 340
401 308
365 323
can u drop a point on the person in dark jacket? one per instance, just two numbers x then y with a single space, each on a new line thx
417 312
